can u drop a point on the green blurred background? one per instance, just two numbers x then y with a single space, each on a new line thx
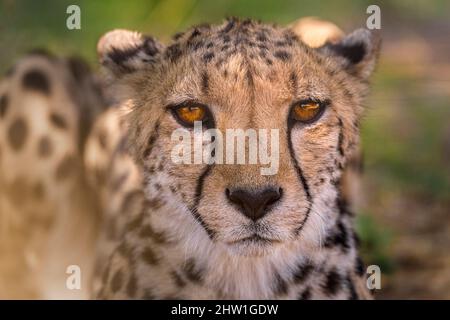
404 215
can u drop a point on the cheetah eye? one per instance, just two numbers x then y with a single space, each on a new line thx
307 111
187 113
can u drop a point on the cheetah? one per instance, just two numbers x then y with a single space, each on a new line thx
224 231
48 218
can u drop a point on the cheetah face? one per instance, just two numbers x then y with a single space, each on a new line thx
244 75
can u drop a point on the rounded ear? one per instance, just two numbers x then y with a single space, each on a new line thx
123 51
316 32
357 52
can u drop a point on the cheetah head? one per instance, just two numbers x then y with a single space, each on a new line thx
243 75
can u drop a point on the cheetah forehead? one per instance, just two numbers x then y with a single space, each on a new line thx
217 43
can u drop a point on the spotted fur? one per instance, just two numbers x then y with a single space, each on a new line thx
47 215
174 232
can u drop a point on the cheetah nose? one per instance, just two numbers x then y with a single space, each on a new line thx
254 204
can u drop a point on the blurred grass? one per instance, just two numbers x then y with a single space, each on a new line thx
375 242
403 136
26 24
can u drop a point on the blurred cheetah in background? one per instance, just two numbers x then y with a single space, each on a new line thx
48 217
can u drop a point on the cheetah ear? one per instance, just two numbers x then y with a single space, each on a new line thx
357 52
316 32
124 52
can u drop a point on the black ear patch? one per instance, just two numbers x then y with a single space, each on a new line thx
36 80
121 56
123 51
148 47
4 102
354 53
78 68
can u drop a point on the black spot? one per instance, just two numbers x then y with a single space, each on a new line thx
229 26
351 288
359 267
261 37
100 175
39 191
303 271
281 287
45 147
124 249
282 55
333 282
341 138
354 52
16 190
207 57
17 134
249 77
192 272
195 33
132 286
293 81
102 140
117 281
135 223
179 282
149 256
147 231
197 45
305 294
118 181
338 238
205 83
58 121
66 168
151 141
178 36
131 198
348 94
280 43
79 68
173 52
120 56
246 22
154 203
36 80
4 102
356 239
342 205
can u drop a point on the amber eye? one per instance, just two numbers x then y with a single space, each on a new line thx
189 113
307 111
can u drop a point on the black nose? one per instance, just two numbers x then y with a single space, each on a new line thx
254 204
